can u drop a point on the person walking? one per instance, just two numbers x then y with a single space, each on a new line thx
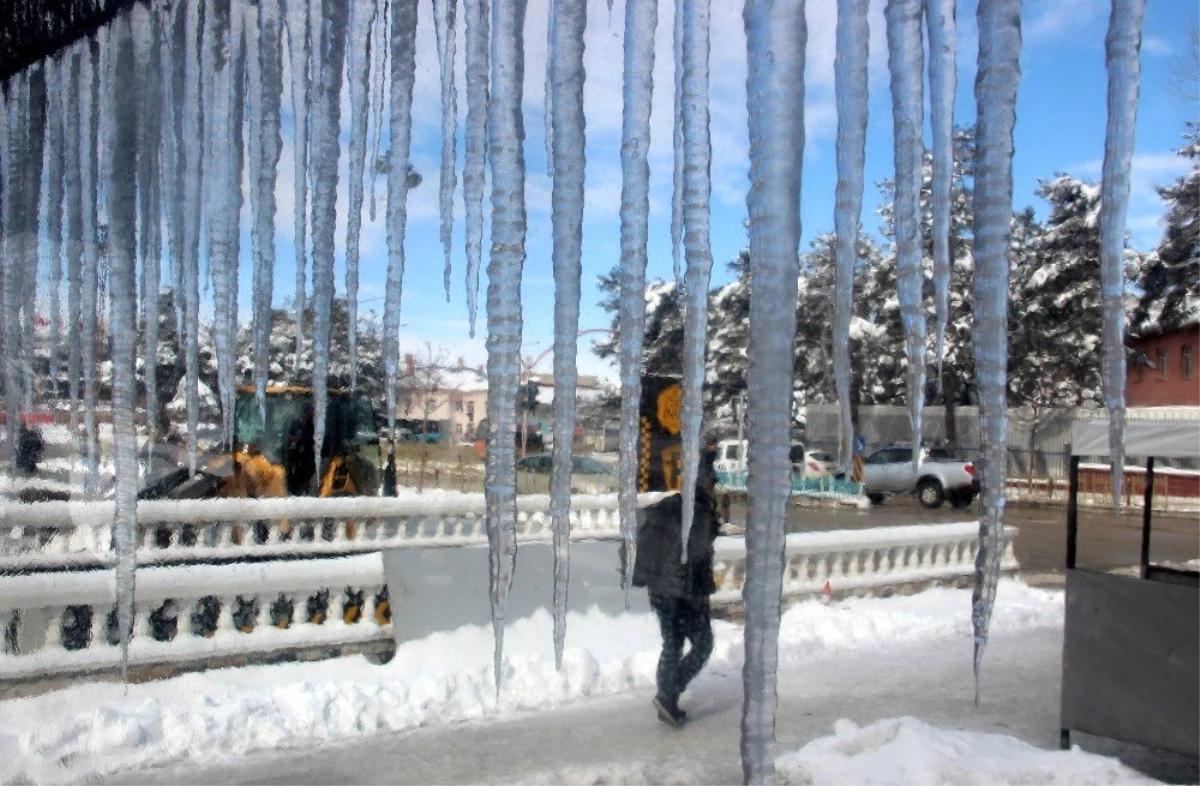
679 591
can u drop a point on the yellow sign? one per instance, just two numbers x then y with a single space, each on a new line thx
670 406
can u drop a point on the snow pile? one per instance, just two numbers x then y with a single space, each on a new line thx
100 728
905 750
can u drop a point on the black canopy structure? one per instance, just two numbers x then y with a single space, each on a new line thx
32 30
1131 645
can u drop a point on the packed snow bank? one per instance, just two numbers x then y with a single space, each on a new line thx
100 728
905 750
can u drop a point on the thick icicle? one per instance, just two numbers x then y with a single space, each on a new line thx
850 76
54 209
300 52
506 138
358 57
697 187
677 143
641 19
567 77
939 21
265 69
172 170
444 13
122 254
193 165
225 196
403 69
776 39
476 143
326 150
379 77
31 194
149 197
905 57
89 279
1122 44
548 90
14 159
999 72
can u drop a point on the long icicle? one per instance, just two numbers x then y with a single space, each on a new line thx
266 87
905 57
1122 44
122 254
89 279
172 170
326 151
940 22
548 91
474 166
31 194
444 13
300 53
641 19
776 40
506 137
567 77
193 191
999 73
55 206
379 78
403 69
697 188
677 145
851 86
75 134
15 151
148 204
358 56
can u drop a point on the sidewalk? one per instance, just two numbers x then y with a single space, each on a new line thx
930 680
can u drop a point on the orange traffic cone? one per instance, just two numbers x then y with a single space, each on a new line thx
826 594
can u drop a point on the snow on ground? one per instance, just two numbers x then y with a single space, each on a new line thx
99 728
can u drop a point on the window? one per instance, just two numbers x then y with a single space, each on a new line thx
471 411
1185 361
1162 362
1139 367
458 406
458 429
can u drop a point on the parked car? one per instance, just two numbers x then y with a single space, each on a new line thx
731 461
818 463
588 476
938 477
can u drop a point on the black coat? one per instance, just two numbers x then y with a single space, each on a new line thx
657 565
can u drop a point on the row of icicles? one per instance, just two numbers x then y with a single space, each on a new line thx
130 147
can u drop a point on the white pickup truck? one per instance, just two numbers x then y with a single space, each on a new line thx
938 478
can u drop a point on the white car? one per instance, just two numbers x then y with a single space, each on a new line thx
819 464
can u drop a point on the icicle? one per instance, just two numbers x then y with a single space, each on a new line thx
677 142
378 76
89 277
403 69
1122 44
776 39
265 68
939 20
122 254
300 52
697 186
567 76
904 61
999 73
8 100
171 172
148 54
76 135
225 197
35 140
193 130
476 143
15 150
444 12
55 94
641 19
506 137
850 75
362 18
326 150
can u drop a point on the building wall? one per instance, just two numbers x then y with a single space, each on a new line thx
1174 379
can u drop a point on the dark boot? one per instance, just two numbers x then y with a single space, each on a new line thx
669 712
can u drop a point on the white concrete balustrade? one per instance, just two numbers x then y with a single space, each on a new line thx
58 622
58 534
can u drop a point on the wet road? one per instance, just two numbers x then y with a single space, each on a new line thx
1106 541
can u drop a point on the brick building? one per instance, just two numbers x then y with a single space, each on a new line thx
1164 368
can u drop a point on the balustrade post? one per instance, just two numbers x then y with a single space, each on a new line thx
225 615
98 629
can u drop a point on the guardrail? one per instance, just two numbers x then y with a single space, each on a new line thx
79 534
64 622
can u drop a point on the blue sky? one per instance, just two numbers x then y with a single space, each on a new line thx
1060 128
